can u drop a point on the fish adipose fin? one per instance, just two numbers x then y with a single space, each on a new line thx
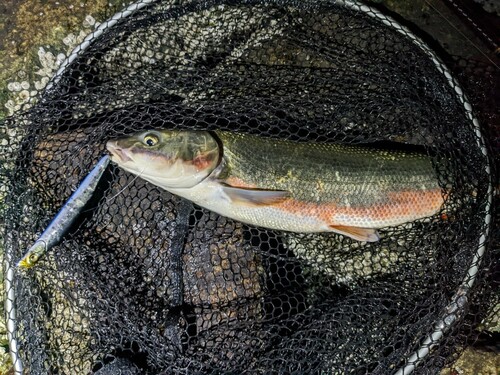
357 233
255 197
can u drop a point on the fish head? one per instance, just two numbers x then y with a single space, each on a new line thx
167 158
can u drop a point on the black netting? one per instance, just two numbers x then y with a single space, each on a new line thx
147 282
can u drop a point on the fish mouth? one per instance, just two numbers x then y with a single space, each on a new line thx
118 154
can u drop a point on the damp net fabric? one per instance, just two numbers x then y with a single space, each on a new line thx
146 282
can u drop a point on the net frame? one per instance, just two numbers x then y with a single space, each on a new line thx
454 309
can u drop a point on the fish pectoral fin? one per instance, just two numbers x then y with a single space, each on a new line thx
255 197
357 233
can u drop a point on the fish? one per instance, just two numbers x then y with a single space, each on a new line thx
285 185
57 228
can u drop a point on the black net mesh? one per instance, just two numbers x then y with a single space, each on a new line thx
148 283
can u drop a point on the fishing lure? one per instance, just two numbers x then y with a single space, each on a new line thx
65 217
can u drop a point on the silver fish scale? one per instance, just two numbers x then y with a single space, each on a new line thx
324 173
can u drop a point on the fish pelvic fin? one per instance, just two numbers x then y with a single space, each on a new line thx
255 197
357 233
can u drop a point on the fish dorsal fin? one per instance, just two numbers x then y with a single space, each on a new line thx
357 233
255 197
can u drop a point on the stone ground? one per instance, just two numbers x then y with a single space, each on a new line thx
34 33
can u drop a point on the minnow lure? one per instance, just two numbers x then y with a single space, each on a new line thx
66 216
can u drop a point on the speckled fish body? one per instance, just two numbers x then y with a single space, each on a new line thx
285 185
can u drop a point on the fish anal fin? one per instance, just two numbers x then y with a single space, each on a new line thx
357 233
255 197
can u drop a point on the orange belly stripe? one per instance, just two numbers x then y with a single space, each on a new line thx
401 207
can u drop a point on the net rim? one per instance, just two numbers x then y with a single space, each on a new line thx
458 300
9 265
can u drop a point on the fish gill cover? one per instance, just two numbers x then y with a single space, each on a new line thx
149 283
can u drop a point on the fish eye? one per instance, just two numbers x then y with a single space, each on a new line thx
150 140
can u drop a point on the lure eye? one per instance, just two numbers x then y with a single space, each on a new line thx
150 140
32 259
